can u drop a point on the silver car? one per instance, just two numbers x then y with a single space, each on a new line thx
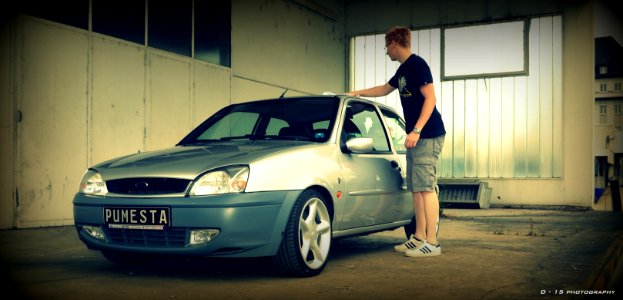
278 178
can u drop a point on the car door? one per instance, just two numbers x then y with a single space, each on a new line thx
373 181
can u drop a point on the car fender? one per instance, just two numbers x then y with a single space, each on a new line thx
298 169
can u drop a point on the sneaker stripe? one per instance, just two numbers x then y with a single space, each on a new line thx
424 250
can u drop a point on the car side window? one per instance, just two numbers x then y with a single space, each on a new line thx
362 120
397 132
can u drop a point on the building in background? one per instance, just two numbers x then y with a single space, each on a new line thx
608 117
108 78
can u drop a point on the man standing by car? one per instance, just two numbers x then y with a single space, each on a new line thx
424 142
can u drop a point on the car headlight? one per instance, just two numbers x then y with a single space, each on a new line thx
93 184
223 181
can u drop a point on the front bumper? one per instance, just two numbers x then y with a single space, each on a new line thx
250 224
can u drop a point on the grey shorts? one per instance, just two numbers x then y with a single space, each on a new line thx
422 164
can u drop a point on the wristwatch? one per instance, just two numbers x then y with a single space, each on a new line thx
417 130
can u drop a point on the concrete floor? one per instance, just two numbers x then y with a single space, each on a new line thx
487 254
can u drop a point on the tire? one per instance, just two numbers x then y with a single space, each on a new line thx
306 243
124 258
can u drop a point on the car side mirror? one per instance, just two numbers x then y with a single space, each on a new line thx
360 145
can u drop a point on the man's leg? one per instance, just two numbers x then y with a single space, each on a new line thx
420 216
431 208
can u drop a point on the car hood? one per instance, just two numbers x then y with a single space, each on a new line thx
190 161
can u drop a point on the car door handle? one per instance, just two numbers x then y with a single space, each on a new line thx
395 165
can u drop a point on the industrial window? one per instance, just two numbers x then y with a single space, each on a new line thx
499 124
169 23
120 18
69 12
484 50
170 26
213 32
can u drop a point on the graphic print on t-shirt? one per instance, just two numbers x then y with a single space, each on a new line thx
402 87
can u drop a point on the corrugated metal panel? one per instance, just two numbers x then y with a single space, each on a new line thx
497 127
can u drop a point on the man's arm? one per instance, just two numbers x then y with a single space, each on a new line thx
377 91
430 100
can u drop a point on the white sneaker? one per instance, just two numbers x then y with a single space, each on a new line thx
425 249
412 243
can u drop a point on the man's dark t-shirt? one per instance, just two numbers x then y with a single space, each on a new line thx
410 76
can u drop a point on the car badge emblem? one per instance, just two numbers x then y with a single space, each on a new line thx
141 185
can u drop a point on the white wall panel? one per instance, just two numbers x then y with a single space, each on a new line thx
212 91
507 127
520 130
533 138
557 103
168 105
118 99
495 127
545 73
471 128
458 129
287 44
446 108
52 136
243 90
483 138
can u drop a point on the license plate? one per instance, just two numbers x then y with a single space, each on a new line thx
150 218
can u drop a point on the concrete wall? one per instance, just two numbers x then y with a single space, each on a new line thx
285 44
84 97
576 185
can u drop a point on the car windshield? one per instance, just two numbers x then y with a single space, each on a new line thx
306 119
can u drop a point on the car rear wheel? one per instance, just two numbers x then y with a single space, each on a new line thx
306 243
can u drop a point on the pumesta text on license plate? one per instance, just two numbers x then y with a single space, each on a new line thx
150 218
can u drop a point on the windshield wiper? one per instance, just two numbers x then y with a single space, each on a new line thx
199 143
289 138
242 137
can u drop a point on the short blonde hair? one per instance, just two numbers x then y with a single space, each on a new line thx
399 34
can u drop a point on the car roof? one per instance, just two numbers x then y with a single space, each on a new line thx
342 97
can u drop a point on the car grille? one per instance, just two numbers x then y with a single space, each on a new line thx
171 237
147 186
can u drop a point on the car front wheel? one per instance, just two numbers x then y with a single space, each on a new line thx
306 241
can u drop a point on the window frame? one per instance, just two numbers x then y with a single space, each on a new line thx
379 116
387 113
526 57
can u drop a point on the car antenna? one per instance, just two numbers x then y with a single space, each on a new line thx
283 94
